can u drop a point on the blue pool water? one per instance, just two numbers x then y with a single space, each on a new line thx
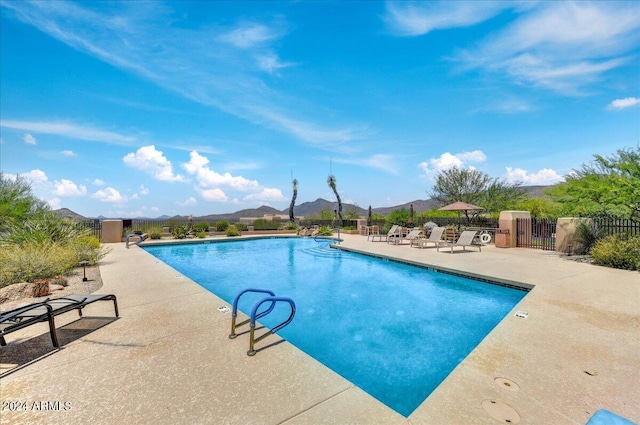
392 329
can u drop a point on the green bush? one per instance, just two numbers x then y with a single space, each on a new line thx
232 231
241 226
290 226
262 224
221 225
155 232
179 231
586 236
617 251
201 234
201 227
325 231
28 262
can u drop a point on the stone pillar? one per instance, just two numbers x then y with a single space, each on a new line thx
565 229
111 231
507 221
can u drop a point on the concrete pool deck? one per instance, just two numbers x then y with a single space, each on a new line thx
168 360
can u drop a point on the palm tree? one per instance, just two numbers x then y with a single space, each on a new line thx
331 181
293 200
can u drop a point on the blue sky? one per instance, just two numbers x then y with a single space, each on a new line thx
128 109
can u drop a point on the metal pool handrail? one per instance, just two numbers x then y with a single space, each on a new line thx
234 312
254 316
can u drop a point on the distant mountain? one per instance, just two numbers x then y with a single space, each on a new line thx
68 214
418 206
310 208
252 212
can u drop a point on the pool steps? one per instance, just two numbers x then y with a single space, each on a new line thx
256 315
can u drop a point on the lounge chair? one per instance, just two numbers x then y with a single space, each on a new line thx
465 240
435 237
413 234
45 311
392 231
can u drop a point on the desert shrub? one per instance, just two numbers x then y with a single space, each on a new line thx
87 248
241 226
28 262
201 234
155 232
325 231
221 225
289 225
618 251
349 228
586 236
232 231
179 231
201 227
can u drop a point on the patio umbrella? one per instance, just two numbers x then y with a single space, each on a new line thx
461 206
410 221
370 217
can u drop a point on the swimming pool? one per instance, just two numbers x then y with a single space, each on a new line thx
392 329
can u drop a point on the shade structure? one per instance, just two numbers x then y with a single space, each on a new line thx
460 206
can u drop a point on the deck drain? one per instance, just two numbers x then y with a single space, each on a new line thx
507 384
501 411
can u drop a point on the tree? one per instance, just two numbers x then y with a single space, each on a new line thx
293 200
608 187
331 181
17 202
475 187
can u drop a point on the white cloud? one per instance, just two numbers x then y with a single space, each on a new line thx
271 63
109 195
55 203
68 188
216 195
414 18
29 139
188 202
545 176
36 176
153 162
143 190
562 46
74 131
98 182
68 153
627 102
248 35
448 160
266 194
384 162
208 178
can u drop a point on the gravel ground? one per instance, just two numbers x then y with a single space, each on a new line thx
19 294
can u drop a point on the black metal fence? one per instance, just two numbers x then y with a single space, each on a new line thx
612 226
94 226
536 233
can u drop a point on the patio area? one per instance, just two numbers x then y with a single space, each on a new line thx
168 359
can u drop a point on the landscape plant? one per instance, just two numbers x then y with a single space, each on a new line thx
294 183
331 181
232 231
620 251
607 187
221 225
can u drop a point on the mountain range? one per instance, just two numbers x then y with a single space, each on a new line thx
304 209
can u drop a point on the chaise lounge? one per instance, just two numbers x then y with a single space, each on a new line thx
45 311
465 240
435 237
